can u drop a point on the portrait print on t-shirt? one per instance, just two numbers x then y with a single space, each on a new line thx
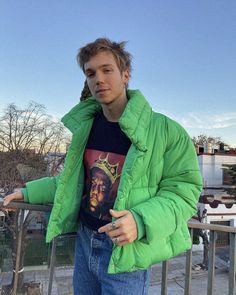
102 177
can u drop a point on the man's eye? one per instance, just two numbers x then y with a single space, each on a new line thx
107 70
90 75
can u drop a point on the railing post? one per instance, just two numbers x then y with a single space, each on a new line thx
164 277
18 251
211 264
188 269
52 264
232 259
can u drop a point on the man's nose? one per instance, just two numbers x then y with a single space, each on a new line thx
99 78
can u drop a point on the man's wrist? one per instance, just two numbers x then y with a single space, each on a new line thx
139 223
24 194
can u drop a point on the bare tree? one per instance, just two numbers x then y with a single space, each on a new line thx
27 137
30 129
203 139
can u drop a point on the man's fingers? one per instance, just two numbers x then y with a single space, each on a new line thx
120 241
115 233
6 201
122 231
18 196
115 224
109 227
105 229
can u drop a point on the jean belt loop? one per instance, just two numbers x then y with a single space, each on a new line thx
82 226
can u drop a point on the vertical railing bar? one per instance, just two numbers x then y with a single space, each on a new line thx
211 264
188 269
18 251
232 259
52 264
164 277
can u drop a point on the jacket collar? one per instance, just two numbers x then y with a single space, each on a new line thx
134 121
136 118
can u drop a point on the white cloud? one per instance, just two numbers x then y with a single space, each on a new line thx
221 125
205 120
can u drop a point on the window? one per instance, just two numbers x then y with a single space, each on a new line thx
227 178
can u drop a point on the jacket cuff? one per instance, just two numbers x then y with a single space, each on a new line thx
140 224
25 194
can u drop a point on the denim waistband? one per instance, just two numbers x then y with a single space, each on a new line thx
91 231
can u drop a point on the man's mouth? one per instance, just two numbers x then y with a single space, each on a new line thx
101 90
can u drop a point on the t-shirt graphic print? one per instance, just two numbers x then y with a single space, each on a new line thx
102 177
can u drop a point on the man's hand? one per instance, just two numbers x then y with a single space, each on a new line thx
16 196
122 231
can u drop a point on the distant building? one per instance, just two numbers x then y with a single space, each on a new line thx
221 207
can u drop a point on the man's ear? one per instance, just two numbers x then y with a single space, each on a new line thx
126 76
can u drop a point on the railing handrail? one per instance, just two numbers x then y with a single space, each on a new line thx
213 227
48 208
26 206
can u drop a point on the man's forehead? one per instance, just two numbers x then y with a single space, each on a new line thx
101 59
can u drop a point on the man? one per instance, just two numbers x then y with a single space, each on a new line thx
146 180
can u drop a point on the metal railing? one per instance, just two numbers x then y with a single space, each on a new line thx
22 209
212 228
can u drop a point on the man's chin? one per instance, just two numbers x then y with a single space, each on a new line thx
104 101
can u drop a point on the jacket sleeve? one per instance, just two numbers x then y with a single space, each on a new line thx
178 191
40 191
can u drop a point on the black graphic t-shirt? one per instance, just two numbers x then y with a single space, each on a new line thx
104 157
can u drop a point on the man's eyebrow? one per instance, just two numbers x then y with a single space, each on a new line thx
106 65
101 66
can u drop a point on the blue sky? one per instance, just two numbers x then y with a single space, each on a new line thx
184 55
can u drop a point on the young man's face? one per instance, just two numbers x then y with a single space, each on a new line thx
106 83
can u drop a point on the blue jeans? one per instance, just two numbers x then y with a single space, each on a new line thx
92 255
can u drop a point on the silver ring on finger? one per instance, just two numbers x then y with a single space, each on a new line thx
113 225
116 240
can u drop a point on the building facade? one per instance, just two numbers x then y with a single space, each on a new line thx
219 207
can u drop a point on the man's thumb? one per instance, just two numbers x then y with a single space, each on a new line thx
117 214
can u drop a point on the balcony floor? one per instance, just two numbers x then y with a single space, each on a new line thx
62 283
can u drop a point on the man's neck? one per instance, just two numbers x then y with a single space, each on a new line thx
114 110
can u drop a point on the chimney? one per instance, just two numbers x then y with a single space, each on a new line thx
208 147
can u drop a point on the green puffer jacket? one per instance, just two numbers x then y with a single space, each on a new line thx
160 183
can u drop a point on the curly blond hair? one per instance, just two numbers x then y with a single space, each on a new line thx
122 57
